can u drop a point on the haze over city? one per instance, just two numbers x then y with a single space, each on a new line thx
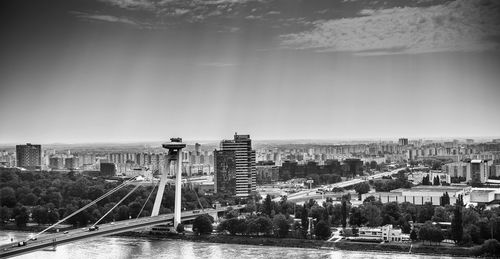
122 71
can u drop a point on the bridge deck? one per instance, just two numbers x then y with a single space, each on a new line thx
104 230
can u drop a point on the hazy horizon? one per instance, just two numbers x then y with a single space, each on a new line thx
111 71
259 141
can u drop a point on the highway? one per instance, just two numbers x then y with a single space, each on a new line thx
116 227
313 191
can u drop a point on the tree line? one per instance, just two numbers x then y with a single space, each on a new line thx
46 197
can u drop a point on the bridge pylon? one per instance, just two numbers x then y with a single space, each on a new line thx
174 155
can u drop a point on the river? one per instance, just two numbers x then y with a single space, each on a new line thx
128 247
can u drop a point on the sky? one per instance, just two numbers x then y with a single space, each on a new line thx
76 71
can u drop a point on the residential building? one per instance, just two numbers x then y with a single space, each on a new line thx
29 156
266 172
403 142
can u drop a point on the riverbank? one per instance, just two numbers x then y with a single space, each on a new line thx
400 248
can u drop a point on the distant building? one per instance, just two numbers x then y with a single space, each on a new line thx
477 170
225 171
422 194
71 162
107 169
403 142
267 172
29 156
245 163
354 166
55 162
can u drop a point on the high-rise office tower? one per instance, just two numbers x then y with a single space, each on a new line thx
29 156
245 163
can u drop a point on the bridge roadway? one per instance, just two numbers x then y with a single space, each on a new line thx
116 227
306 193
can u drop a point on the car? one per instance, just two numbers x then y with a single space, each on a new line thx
93 228
112 223
21 243
66 232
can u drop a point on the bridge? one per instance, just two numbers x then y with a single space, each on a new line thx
40 241
117 227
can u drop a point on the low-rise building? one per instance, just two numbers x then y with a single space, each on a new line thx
422 194
484 195
384 233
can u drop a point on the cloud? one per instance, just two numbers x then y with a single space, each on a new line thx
134 4
106 18
228 29
462 25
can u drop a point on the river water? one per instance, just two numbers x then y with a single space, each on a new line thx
125 247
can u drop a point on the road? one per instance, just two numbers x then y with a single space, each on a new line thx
313 191
104 229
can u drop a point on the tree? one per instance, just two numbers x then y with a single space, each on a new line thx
123 212
336 218
180 228
369 199
52 216
413 235
445 199
21 216
5 214
425 180
457 224
425 212
344 213
491 247
372 214
391 213
429 232
322 230
259 225
40 215
317 211
231 214
7 197
356 217
30 199
440 215
304 220
268 205
134 209
362 188
202 225
436 181
281 226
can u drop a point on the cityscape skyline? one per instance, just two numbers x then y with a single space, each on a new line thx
124 71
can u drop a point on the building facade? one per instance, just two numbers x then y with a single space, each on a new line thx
225 171
244 158
29 156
